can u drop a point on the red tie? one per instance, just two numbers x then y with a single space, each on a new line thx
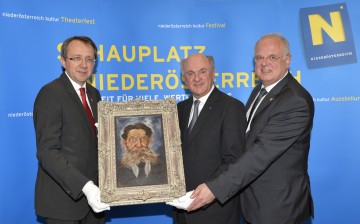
87 108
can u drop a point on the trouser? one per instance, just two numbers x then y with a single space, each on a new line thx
90 218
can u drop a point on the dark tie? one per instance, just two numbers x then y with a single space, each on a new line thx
87 108
195 114
262 93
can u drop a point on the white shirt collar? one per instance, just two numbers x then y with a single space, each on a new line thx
204 98
268 88
75 85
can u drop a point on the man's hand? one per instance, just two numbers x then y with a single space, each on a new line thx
92 193
202 196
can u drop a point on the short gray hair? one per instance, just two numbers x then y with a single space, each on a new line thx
209 57
279 36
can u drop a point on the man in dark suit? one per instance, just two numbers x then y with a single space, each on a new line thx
272 172
66 140
216 139
140 165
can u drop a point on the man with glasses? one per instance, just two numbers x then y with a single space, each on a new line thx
272 173
65 113
140 165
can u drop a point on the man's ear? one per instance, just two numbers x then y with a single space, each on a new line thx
62 60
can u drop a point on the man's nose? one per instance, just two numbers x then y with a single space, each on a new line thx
197 76
83 63
137 143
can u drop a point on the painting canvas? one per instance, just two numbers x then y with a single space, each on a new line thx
140 159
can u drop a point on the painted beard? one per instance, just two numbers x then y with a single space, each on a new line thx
135 157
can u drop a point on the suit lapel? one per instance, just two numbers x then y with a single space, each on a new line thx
204 114
71 91
271 96
187 110
91 94
252 96
185 119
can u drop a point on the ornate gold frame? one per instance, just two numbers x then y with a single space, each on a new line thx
113 195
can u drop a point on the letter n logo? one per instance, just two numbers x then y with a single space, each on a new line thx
327 35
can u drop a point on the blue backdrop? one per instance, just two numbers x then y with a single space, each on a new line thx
140 46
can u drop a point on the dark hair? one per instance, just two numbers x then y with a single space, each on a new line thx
142 126
84 39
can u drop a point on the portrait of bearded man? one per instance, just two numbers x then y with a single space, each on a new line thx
140 165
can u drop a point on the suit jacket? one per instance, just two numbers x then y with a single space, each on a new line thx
273 170
216 140
66 150
157 175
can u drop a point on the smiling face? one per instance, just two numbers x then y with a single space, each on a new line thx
78 71
272 60
198 74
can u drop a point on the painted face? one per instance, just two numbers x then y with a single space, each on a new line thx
79 61
271 62
198 75
137 139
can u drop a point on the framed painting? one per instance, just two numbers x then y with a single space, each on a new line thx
140 158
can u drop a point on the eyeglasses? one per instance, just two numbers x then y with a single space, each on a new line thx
80 59
271 58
